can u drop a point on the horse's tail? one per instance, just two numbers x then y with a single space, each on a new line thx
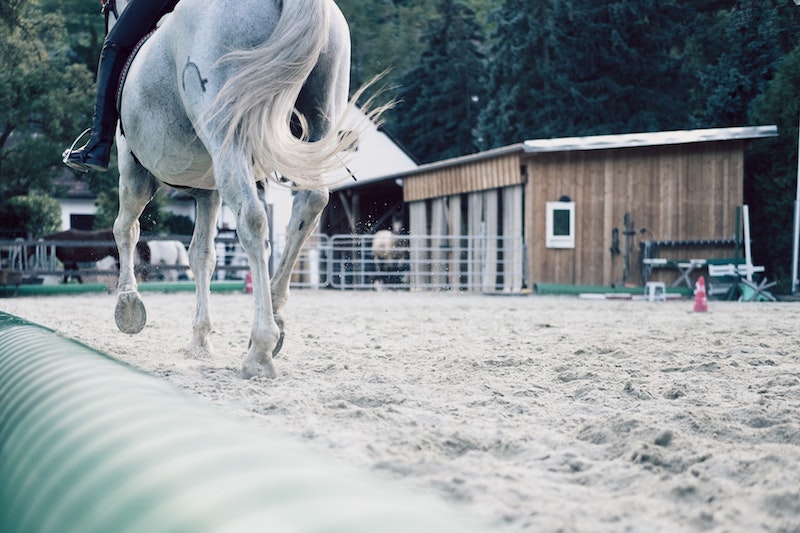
257 104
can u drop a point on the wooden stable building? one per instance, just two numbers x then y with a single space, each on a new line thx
588 209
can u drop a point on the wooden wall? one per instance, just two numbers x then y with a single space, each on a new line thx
678 192
479 175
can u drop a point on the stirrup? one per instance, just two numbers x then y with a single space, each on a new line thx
69 151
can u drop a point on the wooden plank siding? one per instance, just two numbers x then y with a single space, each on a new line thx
678 192
481 175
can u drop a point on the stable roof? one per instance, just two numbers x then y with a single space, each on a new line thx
592 142
659 138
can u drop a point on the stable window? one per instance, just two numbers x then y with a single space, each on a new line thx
560 225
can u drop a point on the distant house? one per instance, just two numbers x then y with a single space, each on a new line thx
76 200
580 205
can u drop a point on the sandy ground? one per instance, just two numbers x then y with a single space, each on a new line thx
525 413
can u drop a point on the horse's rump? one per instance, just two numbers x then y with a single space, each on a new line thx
267 84
260 107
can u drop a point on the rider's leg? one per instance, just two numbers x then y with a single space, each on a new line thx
138 19
95 154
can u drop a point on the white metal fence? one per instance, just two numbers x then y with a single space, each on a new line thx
430 262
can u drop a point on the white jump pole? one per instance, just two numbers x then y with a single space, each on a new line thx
796 235
748 255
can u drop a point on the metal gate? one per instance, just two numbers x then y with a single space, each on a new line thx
430 262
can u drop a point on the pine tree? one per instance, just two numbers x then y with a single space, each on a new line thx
745 40
440 98
771 168
568 68
515 80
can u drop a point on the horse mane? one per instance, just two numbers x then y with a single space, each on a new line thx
256 106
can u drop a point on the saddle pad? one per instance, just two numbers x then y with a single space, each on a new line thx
124 74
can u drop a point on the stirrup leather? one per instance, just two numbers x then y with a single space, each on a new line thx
69 151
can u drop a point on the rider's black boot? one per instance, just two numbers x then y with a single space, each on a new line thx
95 154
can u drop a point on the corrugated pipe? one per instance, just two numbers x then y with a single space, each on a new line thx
90 445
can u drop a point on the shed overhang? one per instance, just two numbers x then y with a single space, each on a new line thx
630 140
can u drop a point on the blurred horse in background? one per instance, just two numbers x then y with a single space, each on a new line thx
76 247
169 261
390 254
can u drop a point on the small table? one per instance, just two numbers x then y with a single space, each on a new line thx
685 269
649 264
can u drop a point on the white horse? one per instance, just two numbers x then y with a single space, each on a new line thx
166 253
226 93
383 249
389 252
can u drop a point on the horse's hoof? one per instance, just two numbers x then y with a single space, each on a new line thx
130 314
198 351
266 370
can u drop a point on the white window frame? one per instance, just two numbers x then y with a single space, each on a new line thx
560 241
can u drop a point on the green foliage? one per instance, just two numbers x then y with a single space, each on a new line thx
585 68
43 98
177 224
385 35
440 98
85 27
746 45
107 205
771 184
10 12
152 220
30 216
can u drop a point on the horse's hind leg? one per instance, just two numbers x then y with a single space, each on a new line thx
202 260
306 209
237 185
136 189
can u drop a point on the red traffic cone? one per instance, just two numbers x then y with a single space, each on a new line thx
700 298
248 283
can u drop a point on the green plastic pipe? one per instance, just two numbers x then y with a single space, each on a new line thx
150 286
90 445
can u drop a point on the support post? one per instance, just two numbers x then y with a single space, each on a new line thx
796 233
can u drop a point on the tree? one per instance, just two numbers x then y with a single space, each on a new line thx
771 178
85 27
570 68
746 45
30 216
385 36
512 77
10 12
440 98
43 99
